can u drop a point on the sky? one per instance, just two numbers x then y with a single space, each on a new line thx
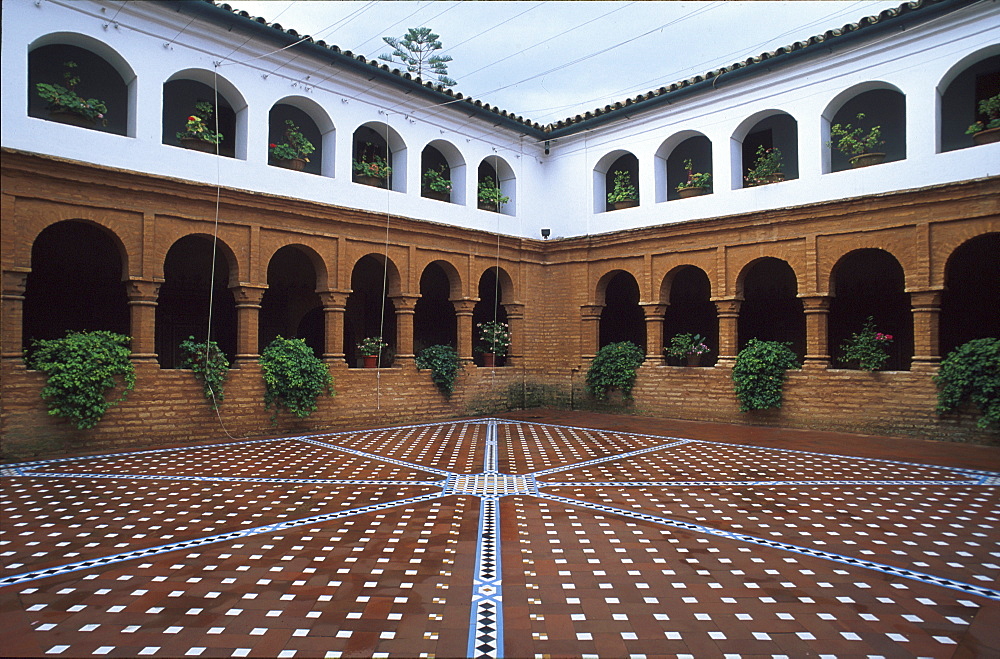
547 61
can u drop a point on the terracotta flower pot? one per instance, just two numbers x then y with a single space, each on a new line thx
295 164
195 144
625 203
371 361
440 196
867 159
489 359
71 119
988 136
684 193
694 360
487 206
374 181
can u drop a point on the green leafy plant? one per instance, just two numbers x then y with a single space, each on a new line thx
971 373
444 365
990 108
853 141
65 98
614 367
197 128
81 368
489 193
435 180
295 146
759 373
766 168
694 180
371 346
371 164
415 50
868 348
210 366
623 189
294 377
683 345
495 337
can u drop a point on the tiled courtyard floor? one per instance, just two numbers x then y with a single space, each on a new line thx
539 534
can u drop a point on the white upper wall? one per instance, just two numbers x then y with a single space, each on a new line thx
149 45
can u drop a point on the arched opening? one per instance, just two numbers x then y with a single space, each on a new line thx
697 150
493 290
617 182
881 107
86 74
370 311
770 310
691 311
971 299
435 175
961 97
291 307
281 133
75 283
376 147
496 188
187 293
434 320
182 98
622 318
763 133
871 282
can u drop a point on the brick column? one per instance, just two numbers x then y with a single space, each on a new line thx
405 308
334 306
728 311
817 311
142 295
247 322
12 313
654 313
515 318
590 330
463 316
926 308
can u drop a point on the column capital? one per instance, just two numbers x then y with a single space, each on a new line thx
514 309
142 290
14 282
464 306
248 295
815 303
925 298
334 299
591 310
727 306
653 309
405 303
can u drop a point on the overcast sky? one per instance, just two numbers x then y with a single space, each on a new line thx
550 60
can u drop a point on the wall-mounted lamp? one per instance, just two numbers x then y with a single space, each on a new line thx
546 233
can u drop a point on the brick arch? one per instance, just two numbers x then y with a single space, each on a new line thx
508 293
771 309
457 287
600 290
663 296
901 251
741 268
109 228
315 258
237 271
393 281
944 246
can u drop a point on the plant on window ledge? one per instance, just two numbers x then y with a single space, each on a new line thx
623 194
371 346
986 132
867 348
971 374
857 143
294 377
614 367
696 183
65 100
759 373
687 347
495 337
371 165
444 365
490 196
294 151
210 366
80 369
435 181
196 129
766 168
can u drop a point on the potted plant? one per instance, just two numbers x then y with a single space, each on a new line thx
436 186
370 348
687 347
623 195
857 143
372 169
696 184
495 337
868 348
614 367
68 107
987 132
766 168
293 152
490 196
196 134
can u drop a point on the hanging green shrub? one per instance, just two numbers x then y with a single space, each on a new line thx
81 368
614 368
759 374
971 372
444 365
294 377
210 366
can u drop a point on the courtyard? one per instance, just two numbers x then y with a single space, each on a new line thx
539 534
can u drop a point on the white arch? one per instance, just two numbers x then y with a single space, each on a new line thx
228 91
456 163
323 122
